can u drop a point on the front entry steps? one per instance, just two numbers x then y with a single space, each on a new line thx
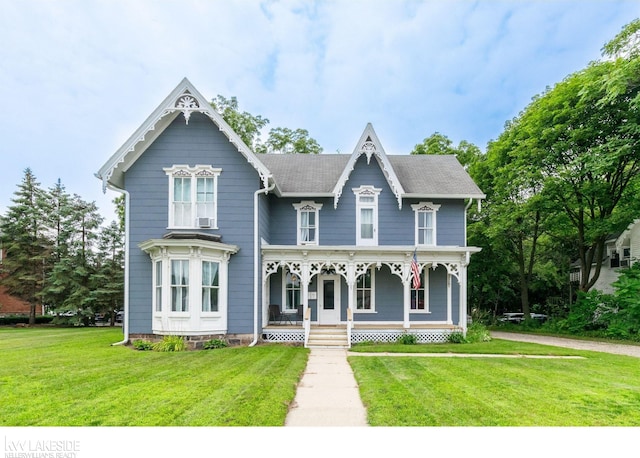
328 337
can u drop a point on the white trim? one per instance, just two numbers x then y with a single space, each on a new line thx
307 206
370 145
193 174
426 207
360 192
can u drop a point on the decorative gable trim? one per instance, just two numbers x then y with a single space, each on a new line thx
370 146
184 99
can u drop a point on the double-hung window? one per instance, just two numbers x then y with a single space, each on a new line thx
158 285
425 223
420 296
366 215
307 222
210 286
193 196
292 292
365 298
179 285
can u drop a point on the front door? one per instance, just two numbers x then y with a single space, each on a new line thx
329 299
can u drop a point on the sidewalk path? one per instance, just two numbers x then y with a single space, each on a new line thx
327 394
606 347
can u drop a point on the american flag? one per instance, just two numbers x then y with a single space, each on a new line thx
415 271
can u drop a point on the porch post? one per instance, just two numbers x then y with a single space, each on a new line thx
463 298
305 280
449 319
406 283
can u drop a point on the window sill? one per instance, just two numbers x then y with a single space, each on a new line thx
421 312
368 312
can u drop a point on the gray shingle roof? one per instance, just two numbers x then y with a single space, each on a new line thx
421 175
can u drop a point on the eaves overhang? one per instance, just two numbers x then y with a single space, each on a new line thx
186 100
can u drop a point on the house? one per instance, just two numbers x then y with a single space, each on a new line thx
11 305
622 249
224 242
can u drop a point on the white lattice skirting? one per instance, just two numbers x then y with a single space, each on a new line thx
284 335
364 335
379 335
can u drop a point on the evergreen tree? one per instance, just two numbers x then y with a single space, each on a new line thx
25 237
107 281
69 283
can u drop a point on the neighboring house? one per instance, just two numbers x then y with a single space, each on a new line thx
11 305
621 252
225 242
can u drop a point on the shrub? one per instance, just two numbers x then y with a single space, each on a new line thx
407 339
477 332
170 343
457 337
142 345
213 344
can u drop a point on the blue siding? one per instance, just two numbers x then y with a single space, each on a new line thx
199 142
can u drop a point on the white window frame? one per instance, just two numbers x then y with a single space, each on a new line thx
171 287
422 208
195 209
307 206
368 192
158 274
204 287
372 290
292 308
424 286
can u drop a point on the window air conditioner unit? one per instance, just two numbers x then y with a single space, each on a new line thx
204 222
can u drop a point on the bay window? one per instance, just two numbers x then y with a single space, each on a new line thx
189 285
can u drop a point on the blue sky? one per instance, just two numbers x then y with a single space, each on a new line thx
77 77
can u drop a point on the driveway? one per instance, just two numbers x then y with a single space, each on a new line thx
618 349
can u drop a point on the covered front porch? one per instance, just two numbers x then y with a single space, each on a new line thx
367 291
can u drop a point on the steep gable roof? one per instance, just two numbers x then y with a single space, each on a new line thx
184 99
369 145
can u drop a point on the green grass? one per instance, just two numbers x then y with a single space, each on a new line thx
74 377
600 390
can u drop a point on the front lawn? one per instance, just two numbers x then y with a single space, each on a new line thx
599 390
74 377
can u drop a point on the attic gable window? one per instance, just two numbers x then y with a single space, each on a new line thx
425 230
307 222
193 193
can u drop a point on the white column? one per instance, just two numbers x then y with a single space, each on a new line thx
305 280
463 298
407 301
449 319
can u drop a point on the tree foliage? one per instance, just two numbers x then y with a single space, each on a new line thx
25 238
59 255
280 140
466 153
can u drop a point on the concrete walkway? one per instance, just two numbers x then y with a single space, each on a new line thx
327 394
